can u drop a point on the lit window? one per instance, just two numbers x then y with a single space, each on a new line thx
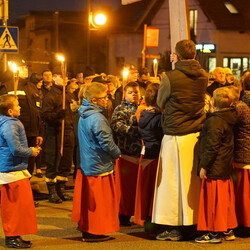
231 8
193 22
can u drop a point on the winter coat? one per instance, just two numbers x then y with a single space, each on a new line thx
97 147
242 130
14 150
217 144
182 96
151 132
125 128
51 108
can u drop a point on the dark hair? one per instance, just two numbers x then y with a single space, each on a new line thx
6 103
131 85
185 49
246 83
143 71
151 94
46 70
88 71
35 78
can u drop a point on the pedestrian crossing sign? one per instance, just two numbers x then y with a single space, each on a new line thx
8 39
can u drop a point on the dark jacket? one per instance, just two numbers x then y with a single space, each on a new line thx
217 144
242 130
215 85
151 132
14 150
125 128
97 147
182 96
30 103
51 110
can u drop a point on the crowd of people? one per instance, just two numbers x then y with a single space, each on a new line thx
142 150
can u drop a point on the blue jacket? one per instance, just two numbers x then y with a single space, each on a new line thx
97 147
14 150
151 132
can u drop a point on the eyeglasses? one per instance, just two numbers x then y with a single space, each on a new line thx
102 98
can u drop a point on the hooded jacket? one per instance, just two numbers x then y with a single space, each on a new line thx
14 150
151 133
217 144
242 130
182 96
97 147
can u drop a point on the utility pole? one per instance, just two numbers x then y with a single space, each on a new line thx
179 22
88 32
4 15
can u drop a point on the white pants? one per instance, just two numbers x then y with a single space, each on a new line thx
177 189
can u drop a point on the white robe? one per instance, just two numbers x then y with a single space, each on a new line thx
177 189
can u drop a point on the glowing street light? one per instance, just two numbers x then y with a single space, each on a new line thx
100 19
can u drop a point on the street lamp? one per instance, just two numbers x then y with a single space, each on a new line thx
94 23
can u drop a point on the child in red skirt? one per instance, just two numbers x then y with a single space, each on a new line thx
151 133
217 202
125 128
17 204
95 204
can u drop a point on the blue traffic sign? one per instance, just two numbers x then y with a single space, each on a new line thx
9 39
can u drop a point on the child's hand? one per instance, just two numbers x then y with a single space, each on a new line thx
36 151
203 173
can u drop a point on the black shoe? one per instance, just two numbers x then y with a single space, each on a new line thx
16 242
53 197
60 189
124 220
25 241
87 237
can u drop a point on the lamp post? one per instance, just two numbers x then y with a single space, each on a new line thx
94 23
63 70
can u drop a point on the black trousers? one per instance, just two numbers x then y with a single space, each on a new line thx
58 165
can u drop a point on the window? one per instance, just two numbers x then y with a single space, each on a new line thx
236 64
211 63
193 24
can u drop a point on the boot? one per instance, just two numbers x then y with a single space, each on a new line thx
60 188
53 197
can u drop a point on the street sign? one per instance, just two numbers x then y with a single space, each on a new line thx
8 39
153 56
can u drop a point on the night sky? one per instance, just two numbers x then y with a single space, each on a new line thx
18 8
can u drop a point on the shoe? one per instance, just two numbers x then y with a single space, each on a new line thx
209 238
53 197
60 189
124 220
87 237
16 242
25 241
174 235
228 235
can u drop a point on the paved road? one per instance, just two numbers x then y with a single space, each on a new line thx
57 231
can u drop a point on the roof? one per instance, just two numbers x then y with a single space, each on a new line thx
221 16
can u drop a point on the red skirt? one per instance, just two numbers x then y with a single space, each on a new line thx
242 196
217 206
145 192
125 182
17 208
94 205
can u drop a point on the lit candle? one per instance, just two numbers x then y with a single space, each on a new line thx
155 61
15 76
